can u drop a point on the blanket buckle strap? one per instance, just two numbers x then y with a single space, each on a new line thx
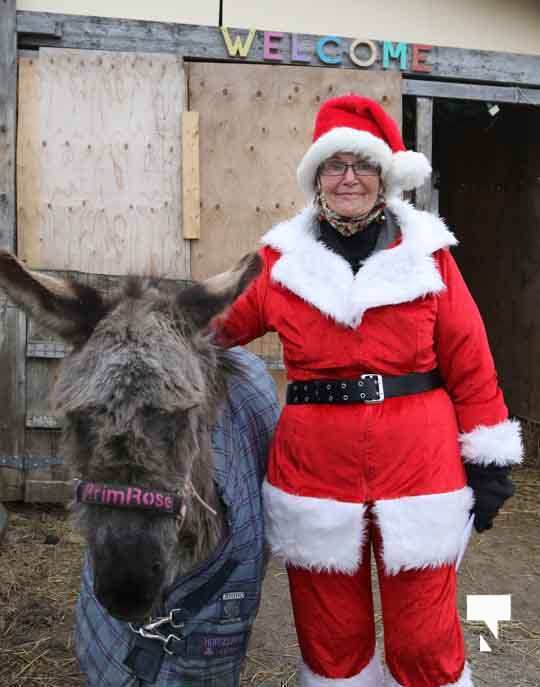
151 630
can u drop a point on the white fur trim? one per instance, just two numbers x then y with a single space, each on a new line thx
396 275
342 139
318 534
464 681
499 444
371 676
408 170
423 531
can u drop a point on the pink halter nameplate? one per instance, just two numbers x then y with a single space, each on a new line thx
119 496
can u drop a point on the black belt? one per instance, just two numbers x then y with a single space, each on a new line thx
368 388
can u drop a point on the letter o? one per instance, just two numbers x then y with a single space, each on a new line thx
148 498
363 63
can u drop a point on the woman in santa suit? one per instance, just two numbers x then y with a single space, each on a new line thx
394 429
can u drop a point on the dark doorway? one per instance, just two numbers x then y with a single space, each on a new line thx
488 176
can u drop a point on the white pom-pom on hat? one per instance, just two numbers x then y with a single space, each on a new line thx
354 124
408 170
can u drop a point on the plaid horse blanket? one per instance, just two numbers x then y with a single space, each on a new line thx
214 640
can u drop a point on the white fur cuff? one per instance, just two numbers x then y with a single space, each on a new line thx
371 676
499 444
423 531
318 534
464 681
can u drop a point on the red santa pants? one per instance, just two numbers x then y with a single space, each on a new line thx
423 639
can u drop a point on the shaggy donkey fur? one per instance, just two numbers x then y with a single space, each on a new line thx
139 392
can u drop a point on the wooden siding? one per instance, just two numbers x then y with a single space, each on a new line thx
100 189
206 43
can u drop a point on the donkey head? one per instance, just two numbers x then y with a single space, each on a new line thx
139 392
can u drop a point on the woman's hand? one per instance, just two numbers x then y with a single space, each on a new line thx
492 487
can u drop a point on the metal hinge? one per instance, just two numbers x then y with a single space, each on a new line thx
29 462
47 349
43 422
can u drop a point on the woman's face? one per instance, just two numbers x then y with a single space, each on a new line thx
349 194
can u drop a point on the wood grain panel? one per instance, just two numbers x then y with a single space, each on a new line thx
28 162
8 121
256 123
12 396
109 164
191 189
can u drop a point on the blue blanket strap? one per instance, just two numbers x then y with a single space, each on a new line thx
146 655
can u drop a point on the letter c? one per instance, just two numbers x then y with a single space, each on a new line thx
321 45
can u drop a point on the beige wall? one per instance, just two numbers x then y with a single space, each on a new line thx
503 25
181 11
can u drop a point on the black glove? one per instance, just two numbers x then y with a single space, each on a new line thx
491 486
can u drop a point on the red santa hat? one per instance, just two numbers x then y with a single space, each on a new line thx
354 124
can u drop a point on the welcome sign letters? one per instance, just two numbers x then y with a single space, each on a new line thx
329 50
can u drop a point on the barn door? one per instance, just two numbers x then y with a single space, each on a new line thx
99 195
255 124
490 194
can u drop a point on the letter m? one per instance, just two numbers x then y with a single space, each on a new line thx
394 52
238 48
115 498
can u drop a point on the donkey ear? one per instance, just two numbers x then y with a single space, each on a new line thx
202 302
67 308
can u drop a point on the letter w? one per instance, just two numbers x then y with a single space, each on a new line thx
238 48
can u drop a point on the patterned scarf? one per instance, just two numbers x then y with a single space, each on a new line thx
348 226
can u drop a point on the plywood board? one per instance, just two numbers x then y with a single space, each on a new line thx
109 191
256 122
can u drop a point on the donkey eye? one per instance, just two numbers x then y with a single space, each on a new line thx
154 414
83 425
159 424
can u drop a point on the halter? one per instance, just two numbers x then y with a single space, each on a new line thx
134 497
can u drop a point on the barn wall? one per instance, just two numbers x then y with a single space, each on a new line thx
200 12
481 25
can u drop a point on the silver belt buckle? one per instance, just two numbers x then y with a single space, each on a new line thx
380 387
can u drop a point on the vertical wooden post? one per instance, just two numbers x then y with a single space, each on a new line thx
12 320
191 190
8 121
424 144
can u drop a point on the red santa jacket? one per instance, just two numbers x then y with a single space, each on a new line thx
406 310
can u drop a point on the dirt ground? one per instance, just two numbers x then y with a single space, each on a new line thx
40 561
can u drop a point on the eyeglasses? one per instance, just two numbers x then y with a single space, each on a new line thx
337 168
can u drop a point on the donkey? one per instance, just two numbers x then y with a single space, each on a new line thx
140 392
